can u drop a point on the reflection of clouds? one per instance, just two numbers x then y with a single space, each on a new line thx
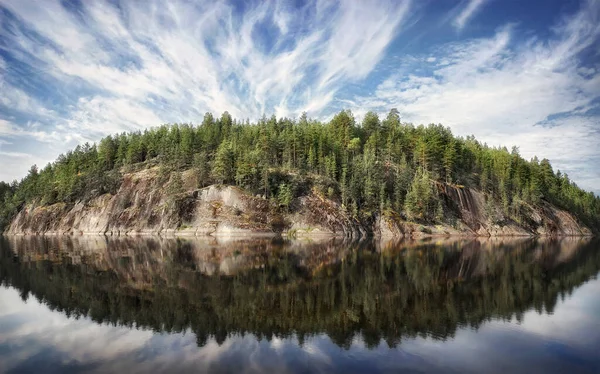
80 339
34 330
549 343
575 321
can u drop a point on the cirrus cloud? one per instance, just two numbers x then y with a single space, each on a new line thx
74 72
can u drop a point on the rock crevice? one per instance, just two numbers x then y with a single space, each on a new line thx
142 206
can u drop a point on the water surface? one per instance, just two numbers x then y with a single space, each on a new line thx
92 304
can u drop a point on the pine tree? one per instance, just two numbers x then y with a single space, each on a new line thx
202 168
285 195
175 185
449 161
380 165
420 198
223 167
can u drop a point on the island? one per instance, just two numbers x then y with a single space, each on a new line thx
297 177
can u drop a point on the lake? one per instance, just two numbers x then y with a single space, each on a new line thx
104 305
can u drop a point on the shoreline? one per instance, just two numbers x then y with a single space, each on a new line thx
263 235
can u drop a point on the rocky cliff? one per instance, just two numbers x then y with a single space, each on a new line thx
142 206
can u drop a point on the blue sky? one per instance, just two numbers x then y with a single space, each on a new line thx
510 72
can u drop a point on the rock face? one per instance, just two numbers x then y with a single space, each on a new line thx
142 206
468 215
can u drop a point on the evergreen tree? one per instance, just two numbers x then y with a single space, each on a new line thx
449 161
285 195
224 163
202 168
379 165
420 200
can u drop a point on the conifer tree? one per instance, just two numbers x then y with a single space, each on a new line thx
224 163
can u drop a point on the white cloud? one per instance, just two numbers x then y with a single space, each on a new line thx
16 99
147 63
109 69
99 115
14 154
467 13
6 128
572 321
177 66
507 92
64 334
11 130
352 51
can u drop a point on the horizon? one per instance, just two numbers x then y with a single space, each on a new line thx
524 75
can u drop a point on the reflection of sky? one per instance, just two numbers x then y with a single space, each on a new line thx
35 339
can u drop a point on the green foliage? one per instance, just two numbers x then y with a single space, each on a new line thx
379 164
285 195
7 207
439 211
202 167
175 185
420 200
449 161
371 124
223 168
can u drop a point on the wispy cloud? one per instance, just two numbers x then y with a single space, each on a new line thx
110 68
467 13
207 57
72 72
512 91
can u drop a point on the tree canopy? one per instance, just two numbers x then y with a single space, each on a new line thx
369 167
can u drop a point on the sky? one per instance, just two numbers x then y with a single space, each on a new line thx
524 73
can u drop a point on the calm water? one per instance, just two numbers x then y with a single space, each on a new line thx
137 305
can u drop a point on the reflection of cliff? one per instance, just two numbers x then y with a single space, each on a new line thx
279 288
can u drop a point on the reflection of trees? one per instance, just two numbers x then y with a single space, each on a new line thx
425 290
